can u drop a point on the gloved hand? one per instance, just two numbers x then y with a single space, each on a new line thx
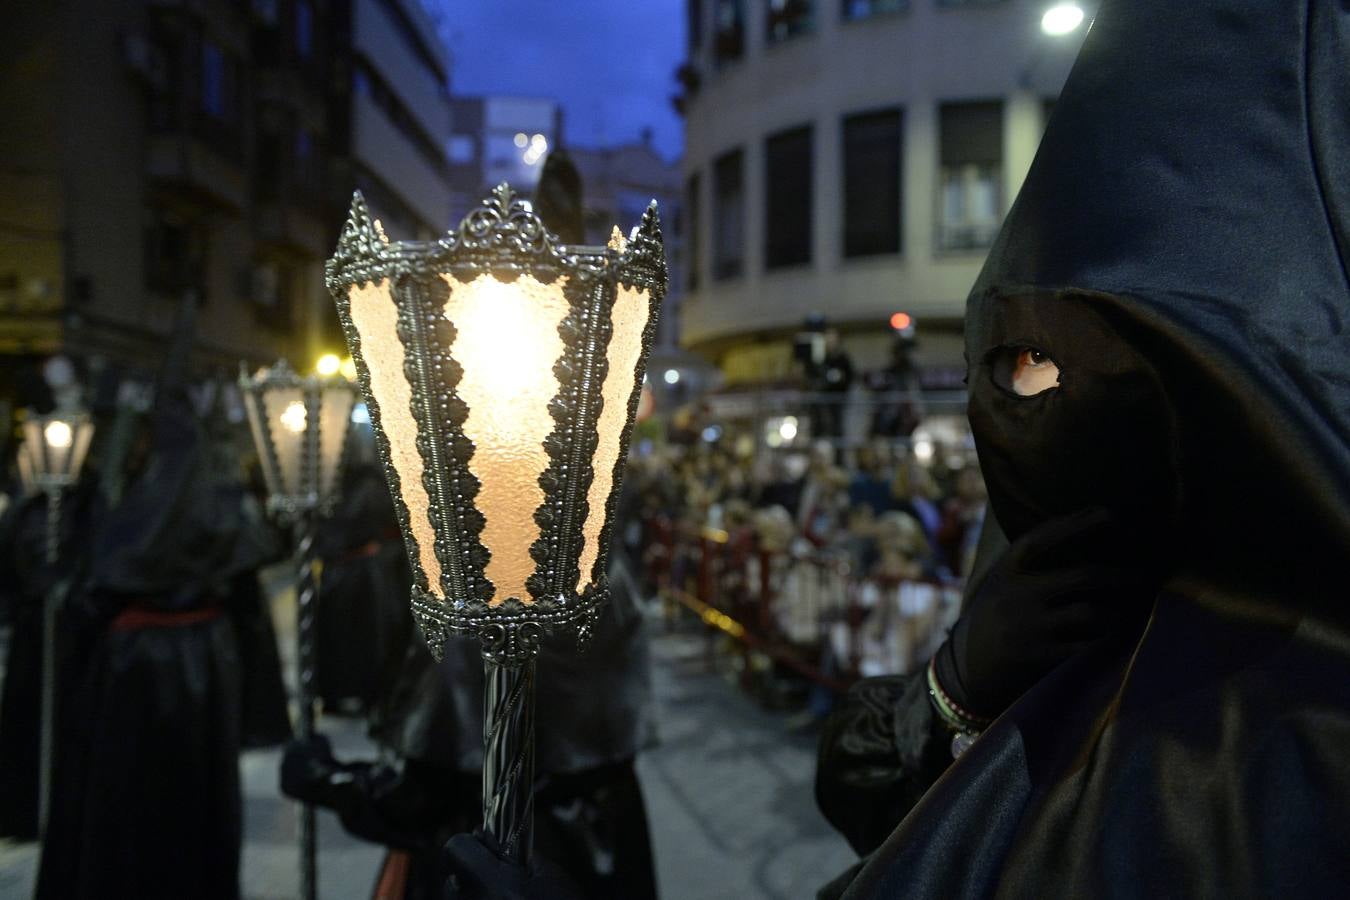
307 770
1059 588
475 871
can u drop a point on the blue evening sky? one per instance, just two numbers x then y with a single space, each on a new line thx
611 63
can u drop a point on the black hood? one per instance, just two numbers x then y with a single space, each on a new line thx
1190 201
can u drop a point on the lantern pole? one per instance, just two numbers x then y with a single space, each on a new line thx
47 739
509 654
306 609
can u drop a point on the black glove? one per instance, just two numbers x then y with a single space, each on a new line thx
308 769
1059 588
475 871
404 807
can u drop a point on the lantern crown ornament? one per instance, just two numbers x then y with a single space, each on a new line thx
300 426
502 371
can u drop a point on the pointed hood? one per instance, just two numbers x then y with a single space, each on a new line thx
1193 191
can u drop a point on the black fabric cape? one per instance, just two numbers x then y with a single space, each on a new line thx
1192 189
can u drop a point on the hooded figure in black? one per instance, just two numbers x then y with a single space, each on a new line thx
1159 370
146 794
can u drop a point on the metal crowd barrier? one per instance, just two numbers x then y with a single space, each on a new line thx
811 613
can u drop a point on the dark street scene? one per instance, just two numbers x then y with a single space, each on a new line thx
684 449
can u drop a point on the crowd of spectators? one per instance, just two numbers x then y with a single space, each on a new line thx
869 543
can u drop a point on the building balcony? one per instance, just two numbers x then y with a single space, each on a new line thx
379 146
289 230
194 171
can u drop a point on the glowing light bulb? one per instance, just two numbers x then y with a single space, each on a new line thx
1062 18
788 430
672 376
294 418
58 434
348 368
521 139
328 364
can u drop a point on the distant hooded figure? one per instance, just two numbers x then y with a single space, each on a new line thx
1157 660
558 198
146 798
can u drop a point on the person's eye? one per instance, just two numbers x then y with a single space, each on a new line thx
1025 371
1033 372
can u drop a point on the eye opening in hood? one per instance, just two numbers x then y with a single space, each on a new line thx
1023 370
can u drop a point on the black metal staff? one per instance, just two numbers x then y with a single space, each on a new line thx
502 372
300 427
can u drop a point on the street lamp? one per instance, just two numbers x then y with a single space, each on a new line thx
300 427
1062 18
49 459
502 371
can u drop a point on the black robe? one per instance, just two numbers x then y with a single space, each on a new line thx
147 799
1193 192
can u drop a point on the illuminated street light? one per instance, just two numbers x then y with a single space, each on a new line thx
672 376
522 140
328 364
1062 18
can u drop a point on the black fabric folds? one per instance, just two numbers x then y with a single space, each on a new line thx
1180 249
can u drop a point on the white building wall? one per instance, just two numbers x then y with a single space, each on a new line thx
914 59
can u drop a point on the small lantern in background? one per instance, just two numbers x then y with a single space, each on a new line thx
300 429
502 371
49 460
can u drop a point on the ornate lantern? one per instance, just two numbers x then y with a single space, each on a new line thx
300 429
502 371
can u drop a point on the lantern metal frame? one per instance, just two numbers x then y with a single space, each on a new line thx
505 239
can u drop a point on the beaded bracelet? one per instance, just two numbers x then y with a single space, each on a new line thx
966 725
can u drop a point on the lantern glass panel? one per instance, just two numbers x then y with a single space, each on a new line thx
375 317
286 416
507 343
84 434
632 309
25 462
253 404
336 400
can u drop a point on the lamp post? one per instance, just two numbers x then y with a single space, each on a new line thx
502 371
49 460
300 428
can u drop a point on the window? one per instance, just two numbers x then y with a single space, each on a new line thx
214 88
462 148
790 18
220 76
729 215
787 192
865 9
872 183
693 203
175 254
971 177
304 29
728 31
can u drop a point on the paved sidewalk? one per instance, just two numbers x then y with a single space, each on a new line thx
728 794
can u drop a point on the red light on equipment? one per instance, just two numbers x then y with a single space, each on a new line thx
900 321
